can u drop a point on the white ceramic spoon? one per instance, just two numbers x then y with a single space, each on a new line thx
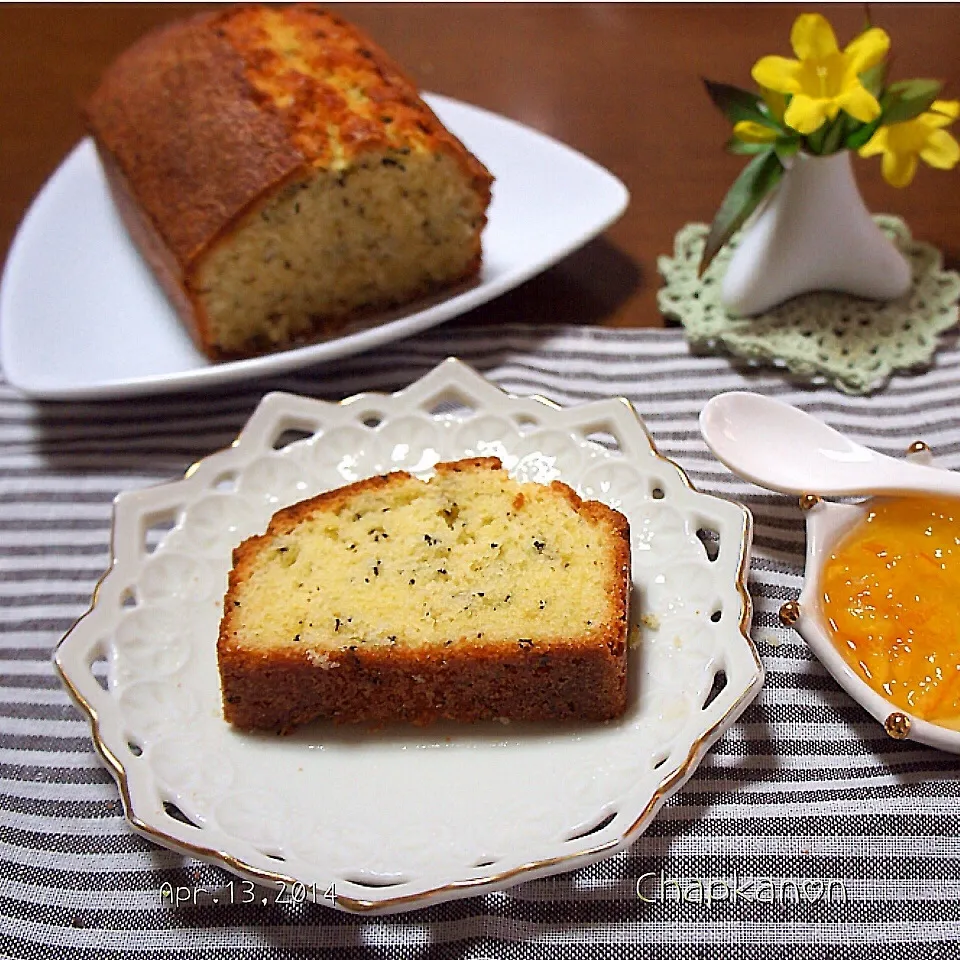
777 446
782 448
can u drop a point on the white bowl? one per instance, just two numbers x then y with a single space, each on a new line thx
826 524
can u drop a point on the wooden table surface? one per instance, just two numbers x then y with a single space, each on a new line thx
620 82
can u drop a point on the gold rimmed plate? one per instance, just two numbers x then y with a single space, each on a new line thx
403 817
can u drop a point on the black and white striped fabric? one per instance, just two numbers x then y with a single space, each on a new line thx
804 826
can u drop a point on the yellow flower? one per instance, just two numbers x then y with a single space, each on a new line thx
776 103
823 80
923 137
749 131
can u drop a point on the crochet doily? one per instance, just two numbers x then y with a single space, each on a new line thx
851 343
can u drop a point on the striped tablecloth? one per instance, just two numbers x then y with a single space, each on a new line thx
805 825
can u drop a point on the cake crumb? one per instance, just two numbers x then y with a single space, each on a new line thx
322 660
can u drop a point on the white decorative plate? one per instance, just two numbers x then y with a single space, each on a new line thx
402 817
81 316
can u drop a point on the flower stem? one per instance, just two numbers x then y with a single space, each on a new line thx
815 139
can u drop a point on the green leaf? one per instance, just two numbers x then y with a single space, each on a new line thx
787 149
907 99
756 180
737 147
861 135
873 79
736 104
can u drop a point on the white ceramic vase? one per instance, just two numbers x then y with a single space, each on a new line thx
813 233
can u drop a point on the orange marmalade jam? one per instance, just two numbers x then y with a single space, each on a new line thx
891 594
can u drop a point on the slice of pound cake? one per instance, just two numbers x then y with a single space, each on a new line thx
468 597
282 177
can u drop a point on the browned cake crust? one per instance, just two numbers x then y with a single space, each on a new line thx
470 680
192 135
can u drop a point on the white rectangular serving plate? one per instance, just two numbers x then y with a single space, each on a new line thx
81 316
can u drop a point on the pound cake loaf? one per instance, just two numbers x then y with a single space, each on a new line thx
468 597
282 177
